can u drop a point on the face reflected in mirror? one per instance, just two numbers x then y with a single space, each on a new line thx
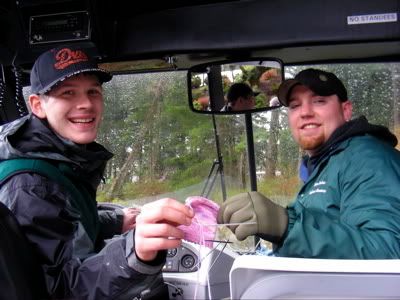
240 97
237 87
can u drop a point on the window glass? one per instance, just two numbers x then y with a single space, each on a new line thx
162 149
374 90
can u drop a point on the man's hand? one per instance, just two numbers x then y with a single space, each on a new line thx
270 220
156 227
130 214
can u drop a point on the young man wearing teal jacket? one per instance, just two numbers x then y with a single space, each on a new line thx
349 206
55 205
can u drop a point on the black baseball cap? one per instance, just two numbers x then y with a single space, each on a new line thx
320 82
240 90
55 65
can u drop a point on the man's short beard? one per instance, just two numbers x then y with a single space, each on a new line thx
311 143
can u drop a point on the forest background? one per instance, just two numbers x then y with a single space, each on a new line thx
162 148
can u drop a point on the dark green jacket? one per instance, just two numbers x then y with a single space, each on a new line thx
350 205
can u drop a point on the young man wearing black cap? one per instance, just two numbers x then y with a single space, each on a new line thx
240 98
349 205
53 198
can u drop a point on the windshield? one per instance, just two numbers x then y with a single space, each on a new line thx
162 149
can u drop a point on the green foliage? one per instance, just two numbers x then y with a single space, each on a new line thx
196 82
101 197
197 105
261 100
144 189
188 171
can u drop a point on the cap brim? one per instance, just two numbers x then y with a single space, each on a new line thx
285 89
255 94
103 76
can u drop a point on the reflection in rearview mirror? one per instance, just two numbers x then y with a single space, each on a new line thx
235 87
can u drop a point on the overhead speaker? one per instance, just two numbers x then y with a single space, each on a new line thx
60 27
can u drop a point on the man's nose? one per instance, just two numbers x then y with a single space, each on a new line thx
306 109
84 101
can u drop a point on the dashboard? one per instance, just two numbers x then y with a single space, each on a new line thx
182 259
197 272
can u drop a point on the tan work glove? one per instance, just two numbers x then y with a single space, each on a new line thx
271 220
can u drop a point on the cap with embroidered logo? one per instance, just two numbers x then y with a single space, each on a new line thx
55 65
320 82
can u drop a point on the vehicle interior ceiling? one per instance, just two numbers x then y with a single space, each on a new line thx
176 35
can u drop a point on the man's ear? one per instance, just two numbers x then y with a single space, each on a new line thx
347 107
37 106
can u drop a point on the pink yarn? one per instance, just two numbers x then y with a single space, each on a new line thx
205 214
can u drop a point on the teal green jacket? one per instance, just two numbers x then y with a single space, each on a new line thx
349 208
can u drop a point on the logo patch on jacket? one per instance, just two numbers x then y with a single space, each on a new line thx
318 190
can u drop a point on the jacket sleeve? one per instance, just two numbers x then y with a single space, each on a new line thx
111 219
368 226
70 270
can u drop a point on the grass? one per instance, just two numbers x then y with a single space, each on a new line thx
282 190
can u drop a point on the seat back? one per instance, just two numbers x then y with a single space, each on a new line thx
264 277
20 276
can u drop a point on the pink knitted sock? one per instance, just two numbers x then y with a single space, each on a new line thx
205 214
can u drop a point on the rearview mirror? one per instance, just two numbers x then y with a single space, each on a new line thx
232 87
